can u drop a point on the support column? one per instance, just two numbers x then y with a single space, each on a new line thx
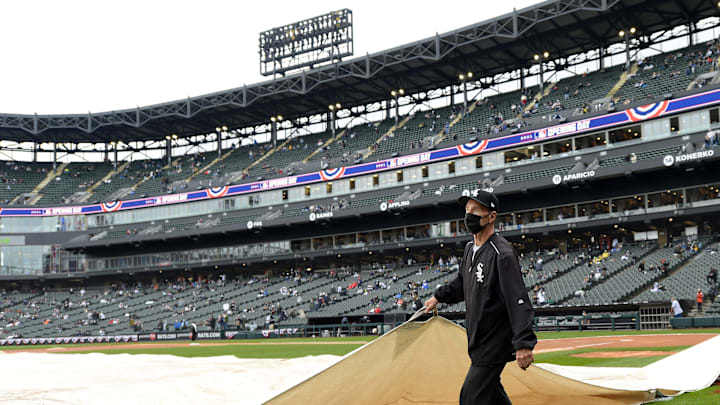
684 197
541 76
332 122
54 155
691 34
168 151
107 152
601 60
465 95
273 133
35 148
115 160
219 144
522 79
627 51
452 94
397 110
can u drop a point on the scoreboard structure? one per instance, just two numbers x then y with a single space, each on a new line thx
309 43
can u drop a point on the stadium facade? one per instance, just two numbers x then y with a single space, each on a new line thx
597 170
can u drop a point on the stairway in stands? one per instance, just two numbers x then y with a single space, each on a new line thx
621 81
325 145
37 190
370 150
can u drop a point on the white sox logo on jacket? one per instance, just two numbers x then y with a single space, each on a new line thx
479 273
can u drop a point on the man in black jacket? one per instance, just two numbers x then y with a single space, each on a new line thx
499 314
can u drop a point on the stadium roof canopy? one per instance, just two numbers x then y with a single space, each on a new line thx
498 45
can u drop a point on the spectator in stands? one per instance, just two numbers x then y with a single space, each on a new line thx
675 308
711 139
641 267
540 297
539 265
699 299
712 276
664 265
221 322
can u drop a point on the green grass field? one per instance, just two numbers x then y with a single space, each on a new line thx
564 358
279 351
561 335
300 347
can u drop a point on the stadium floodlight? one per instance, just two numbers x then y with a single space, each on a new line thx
309 43
626 33
537 58
334 108
396 95
274 120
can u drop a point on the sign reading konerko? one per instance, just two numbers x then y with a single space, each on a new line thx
670 160
631 115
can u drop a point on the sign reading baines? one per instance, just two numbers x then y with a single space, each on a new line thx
614 119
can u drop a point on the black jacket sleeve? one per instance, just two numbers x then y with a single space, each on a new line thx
453 291
520 310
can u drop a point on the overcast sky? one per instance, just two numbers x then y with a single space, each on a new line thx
79 56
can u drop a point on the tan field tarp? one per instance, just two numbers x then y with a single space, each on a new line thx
425 363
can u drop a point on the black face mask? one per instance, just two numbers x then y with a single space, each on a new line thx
472 222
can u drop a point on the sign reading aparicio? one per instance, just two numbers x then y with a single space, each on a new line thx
557 179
